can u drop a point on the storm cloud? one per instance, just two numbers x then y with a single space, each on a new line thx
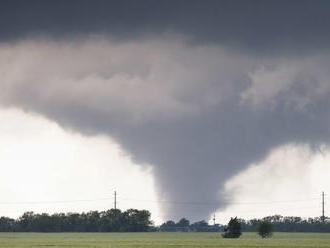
199 90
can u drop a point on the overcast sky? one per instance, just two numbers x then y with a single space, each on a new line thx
186 108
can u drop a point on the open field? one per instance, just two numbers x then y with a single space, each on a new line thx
158 240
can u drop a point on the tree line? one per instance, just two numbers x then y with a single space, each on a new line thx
183 225
289 224
133 220
113 220
279 224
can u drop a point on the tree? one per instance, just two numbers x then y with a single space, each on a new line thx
265 229
183 223
7 224
233 229
199 226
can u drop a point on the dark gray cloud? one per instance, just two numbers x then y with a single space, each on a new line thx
198 89
258 25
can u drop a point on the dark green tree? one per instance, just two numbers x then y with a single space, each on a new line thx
7 224
265 229
233 229
183 223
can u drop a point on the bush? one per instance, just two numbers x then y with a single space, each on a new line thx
265 229
233 230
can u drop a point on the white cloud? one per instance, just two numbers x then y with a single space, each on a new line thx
41 163
289 181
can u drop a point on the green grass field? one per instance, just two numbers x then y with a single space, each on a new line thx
158 240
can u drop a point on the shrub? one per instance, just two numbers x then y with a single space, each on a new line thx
265 229
233 230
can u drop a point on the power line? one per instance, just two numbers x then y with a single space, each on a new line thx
217 203
54 202
159 201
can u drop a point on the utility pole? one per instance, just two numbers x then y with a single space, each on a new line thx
214 219
115 203
323 217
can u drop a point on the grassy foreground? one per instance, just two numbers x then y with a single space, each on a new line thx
158 240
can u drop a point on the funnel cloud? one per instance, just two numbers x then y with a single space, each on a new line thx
199 90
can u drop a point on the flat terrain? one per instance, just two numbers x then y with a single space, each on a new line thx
158 240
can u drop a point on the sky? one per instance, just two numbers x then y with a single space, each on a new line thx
185 108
